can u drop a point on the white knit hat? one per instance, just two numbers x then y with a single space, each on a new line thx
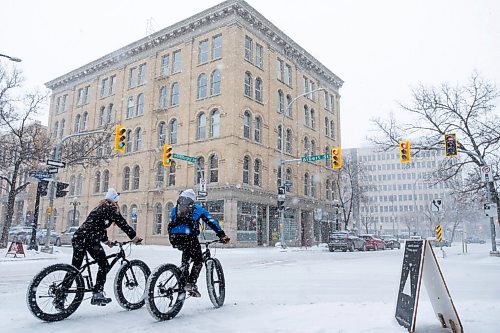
189 193
112 195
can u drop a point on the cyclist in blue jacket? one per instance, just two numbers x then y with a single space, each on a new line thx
183 231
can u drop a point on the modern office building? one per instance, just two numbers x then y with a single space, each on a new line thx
216 87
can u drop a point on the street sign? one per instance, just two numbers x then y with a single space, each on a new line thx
314 158
203 185
53 170
184 158
202 193
490 210
437 205
57 164
201 198
486 173
39 174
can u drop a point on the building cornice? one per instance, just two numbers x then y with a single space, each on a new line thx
174 34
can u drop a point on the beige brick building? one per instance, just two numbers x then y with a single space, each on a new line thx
214 86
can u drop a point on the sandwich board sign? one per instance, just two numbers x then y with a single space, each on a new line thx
420 264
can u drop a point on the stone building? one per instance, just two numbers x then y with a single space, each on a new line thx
216 87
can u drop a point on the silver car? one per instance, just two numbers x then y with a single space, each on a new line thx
66 236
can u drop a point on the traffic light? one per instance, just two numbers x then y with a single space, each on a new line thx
450 145
336 157
43 186
167 155
281 197
120 138
60 190
404 152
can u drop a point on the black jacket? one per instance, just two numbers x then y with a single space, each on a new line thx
101 218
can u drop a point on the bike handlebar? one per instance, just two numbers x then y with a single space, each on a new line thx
211 242
114 243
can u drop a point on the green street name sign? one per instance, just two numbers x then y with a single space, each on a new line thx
314 158
185 158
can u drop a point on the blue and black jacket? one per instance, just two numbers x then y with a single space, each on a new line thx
194 228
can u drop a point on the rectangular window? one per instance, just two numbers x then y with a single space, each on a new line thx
288 75
80 97
306 85
279 69
164 64
203 52
132 77
104 87
217 47
58 104
112 85
259 60
332 103
176 61
248 48
312 87
142 74
64 103
86 96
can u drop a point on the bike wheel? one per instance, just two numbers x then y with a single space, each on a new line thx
166 293
130 284
46 289
215 282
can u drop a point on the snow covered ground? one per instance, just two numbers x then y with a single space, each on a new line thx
274 290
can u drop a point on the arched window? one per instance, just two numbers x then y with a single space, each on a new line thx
85 121
200 169
124 212
279 144
134 216
136 178
160 175
79 183
306 115
327 127
109 118
162 134
174 95
215 123
77 123
327 152
328 189
256 172
306 184
332 129
280 101
246 170
288 176
105 180
289 105
289 140
128 142
126 179
248 84
140 105
314 180
213 165
247 119
173 131
102 116
158 219
97 181
313 118
306 146
130 107
312 151
201 126
168 209
171 174
73 218
163 97
258 128
215 82
72 185
61 128
56 129
258 89
202 85
138 139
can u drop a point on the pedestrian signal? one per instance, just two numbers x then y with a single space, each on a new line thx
336 157
120 138
167 155
404 151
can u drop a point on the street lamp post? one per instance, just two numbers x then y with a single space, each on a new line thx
11 58
282 162
74 203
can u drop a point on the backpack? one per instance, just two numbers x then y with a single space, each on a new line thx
184 213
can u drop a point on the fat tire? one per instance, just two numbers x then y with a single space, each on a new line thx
125 270
151 287
215 274
31 294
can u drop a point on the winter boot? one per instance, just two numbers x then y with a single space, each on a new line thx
59 302
192 290
98 298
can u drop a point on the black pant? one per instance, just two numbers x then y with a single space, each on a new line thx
191 250
94 248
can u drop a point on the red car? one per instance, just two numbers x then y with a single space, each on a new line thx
373 243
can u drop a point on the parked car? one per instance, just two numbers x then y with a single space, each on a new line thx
41 237
474 240
19 233
373 243
66 236
391 242
434 242
344 240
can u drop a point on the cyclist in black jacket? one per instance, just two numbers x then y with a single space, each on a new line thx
92 232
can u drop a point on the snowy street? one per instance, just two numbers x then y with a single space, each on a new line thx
274 290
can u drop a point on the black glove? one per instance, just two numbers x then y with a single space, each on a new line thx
225 240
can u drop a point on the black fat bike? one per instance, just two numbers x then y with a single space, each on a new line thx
46 290
165 286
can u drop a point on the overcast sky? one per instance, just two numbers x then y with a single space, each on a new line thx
379 48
